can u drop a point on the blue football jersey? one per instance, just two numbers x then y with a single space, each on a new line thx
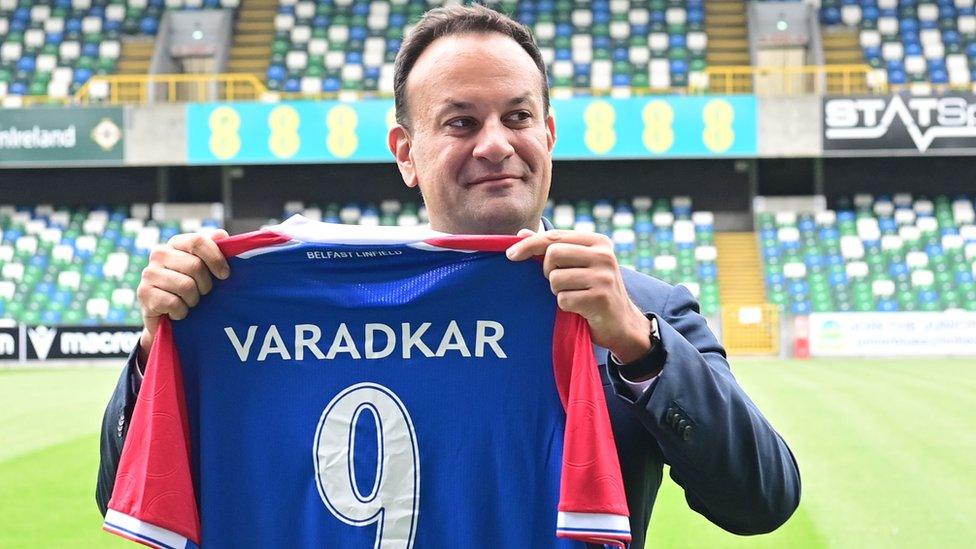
358 388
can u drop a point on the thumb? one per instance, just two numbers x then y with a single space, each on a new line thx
219 234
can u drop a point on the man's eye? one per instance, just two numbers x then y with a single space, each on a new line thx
521 116
460 123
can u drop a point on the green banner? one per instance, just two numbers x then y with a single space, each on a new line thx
61 135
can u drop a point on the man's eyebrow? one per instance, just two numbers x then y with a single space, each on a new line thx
454 104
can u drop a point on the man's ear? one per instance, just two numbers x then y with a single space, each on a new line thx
398 139
551 130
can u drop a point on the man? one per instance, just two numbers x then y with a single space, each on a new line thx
475 135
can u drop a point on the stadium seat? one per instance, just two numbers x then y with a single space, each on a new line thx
883 255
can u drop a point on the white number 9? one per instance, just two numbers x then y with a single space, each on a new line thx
394 500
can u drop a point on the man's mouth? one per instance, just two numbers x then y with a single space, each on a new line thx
495 178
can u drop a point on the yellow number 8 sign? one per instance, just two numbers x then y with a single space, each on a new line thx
224 124
718 135
284 140
599 118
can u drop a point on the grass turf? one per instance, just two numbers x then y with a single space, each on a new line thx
885 450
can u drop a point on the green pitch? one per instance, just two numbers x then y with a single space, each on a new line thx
887 451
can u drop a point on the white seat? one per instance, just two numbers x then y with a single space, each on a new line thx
46 62
63 252
952 242
703 218
296 60
582 18
665 262
34 38
916 259
697 41
706 253
12 271
352 73
857 269
98 88
884 208
601 74
86 243
883 288
867 229
7 290
850 15
51 235
684 231
334 60
123 297
870 38
311 85
69 279
27 243
923 278
619 6
927 12
11 51
301 34
318 46
892 242
284 22
927 224
639 55
338 33
4 26
583 226
794 270
924 207
915 64
788 234
658 41
933 50
623 219
230 4
693 287
904 216
138 4
190 225
58 89
970 251
892 51
967 232
582 55
966 24
785 219
6 253
888 26
639 16
305 10
624 237
619 30
962 4
146 238
97 307
909 233
826 218
851 247
91 24
662 219
115 265
659 74
676 16
174 4
40 13
545 30
115 12
69 50
110 49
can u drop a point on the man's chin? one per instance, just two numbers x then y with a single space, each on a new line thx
497 221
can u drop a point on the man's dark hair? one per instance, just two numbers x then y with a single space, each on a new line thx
455 21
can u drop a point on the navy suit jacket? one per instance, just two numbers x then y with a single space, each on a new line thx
734 468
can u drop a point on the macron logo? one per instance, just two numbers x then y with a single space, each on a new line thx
925 118
41 338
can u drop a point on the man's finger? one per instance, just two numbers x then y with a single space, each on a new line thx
563 280
563 255
536 244
189 265
185 286
204 248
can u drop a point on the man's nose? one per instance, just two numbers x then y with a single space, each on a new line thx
494 143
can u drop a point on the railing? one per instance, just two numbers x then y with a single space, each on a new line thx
804 80
142 89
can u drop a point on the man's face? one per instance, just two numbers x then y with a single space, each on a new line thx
479 145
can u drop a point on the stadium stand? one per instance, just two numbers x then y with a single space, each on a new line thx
80 266
605 45
911 42
660 237
52 47
872 254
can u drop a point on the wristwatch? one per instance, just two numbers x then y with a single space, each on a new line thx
651 363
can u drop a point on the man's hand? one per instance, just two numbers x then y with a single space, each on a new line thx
585 277
179 272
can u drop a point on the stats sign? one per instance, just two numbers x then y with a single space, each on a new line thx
900 124
893 334
61 135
